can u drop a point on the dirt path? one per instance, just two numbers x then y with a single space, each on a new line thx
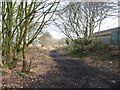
66 72
79 74
53 70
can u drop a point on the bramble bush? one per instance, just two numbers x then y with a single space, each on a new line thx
86 46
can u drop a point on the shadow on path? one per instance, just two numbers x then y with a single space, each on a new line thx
71 73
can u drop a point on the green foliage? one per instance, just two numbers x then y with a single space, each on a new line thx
82 47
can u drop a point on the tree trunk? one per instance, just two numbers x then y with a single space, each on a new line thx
25 63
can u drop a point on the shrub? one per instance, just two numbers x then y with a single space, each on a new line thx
86 46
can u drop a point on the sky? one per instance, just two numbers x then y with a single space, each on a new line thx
107 23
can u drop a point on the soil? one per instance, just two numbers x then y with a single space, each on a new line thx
51 69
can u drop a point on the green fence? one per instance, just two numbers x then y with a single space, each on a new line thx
115 38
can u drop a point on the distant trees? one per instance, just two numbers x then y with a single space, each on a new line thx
46 39
21 24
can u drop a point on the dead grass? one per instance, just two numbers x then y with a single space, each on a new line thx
41 64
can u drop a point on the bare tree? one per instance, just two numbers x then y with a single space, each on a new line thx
79 19
46 39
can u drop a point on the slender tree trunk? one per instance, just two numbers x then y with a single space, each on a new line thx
3 34
10 22
25 63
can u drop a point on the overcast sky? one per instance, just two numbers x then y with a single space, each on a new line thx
106 24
